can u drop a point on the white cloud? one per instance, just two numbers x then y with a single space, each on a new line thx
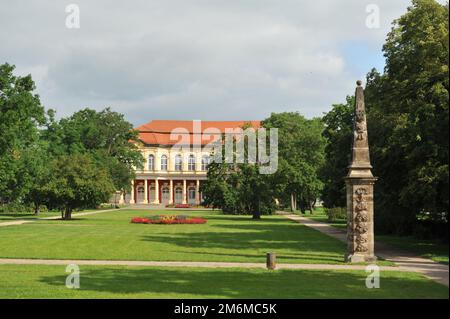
192 59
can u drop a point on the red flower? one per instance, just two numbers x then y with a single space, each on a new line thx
169 220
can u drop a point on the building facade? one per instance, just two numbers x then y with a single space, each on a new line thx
176 160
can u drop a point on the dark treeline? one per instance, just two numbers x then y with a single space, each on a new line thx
408 122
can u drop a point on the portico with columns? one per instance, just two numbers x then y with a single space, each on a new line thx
165 190
175 164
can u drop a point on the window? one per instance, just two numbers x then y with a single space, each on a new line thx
191 163
178 163
151 162
164 163
205 162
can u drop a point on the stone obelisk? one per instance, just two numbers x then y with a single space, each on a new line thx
359 183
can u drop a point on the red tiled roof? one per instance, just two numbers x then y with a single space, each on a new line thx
158 132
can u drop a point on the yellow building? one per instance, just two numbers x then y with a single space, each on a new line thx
175 160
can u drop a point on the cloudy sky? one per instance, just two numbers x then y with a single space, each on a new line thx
195 59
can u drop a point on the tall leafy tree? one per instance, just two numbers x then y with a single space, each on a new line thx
21 113
107 136
301 154
408 120
239 188
338 133
77 182
408 110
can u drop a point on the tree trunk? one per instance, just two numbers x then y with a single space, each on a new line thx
36 209
68 213
256 215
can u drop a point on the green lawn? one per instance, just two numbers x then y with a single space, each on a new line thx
111 236
422 247
426 248
39 281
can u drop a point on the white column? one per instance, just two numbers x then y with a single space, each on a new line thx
156 192
171 192
145 192
184 191
197 192
132 193
121 199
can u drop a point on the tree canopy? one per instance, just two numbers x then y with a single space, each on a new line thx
408 122
71 163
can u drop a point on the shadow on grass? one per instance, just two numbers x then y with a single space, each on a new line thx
236 283
292 241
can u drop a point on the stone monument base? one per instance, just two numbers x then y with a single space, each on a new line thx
360 258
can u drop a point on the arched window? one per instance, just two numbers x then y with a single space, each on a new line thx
191 163
178 163
151 162
205 162
164 163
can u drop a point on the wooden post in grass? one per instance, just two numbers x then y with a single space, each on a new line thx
271 261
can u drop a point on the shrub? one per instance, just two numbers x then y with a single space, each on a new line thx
15 208
336 213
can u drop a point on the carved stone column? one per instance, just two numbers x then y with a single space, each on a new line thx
359 183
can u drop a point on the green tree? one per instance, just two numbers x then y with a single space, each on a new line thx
35 173
408 119
407 109
107 136
77 182
301 154
20 115
338 133
238 188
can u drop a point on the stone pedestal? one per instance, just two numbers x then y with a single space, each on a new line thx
360 235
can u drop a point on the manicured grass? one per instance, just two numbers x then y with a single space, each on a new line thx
426 248
111 236
39 281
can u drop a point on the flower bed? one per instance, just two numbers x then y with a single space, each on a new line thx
182 206
168 220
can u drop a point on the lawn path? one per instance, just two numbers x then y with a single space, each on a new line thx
16 261
405 260
20 222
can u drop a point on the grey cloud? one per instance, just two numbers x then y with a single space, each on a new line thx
191 59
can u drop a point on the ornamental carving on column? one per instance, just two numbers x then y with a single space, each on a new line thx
362 218
360 124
